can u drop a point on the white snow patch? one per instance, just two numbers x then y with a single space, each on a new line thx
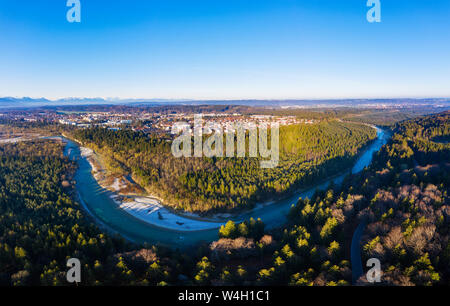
118 185
86 152
13 140
151 211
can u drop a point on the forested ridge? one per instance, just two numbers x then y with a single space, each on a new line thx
40 223
41 226
402 198
307 154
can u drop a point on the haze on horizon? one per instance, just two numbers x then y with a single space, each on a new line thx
225 50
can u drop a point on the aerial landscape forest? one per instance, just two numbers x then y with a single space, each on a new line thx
308 153
401 199
225 152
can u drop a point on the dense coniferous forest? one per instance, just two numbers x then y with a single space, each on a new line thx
402 199
41 226
307 154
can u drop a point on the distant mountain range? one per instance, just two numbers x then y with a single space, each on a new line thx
13 102
25 102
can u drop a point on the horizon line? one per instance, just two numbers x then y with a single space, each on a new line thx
117 99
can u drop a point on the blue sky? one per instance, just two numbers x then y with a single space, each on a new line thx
234 49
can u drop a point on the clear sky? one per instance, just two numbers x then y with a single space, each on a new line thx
215 49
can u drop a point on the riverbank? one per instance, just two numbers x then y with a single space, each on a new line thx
120 184
152 211
143 207
147 227
21 138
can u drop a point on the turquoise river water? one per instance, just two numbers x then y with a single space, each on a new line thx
98 203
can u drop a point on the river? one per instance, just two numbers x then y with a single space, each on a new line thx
97 201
